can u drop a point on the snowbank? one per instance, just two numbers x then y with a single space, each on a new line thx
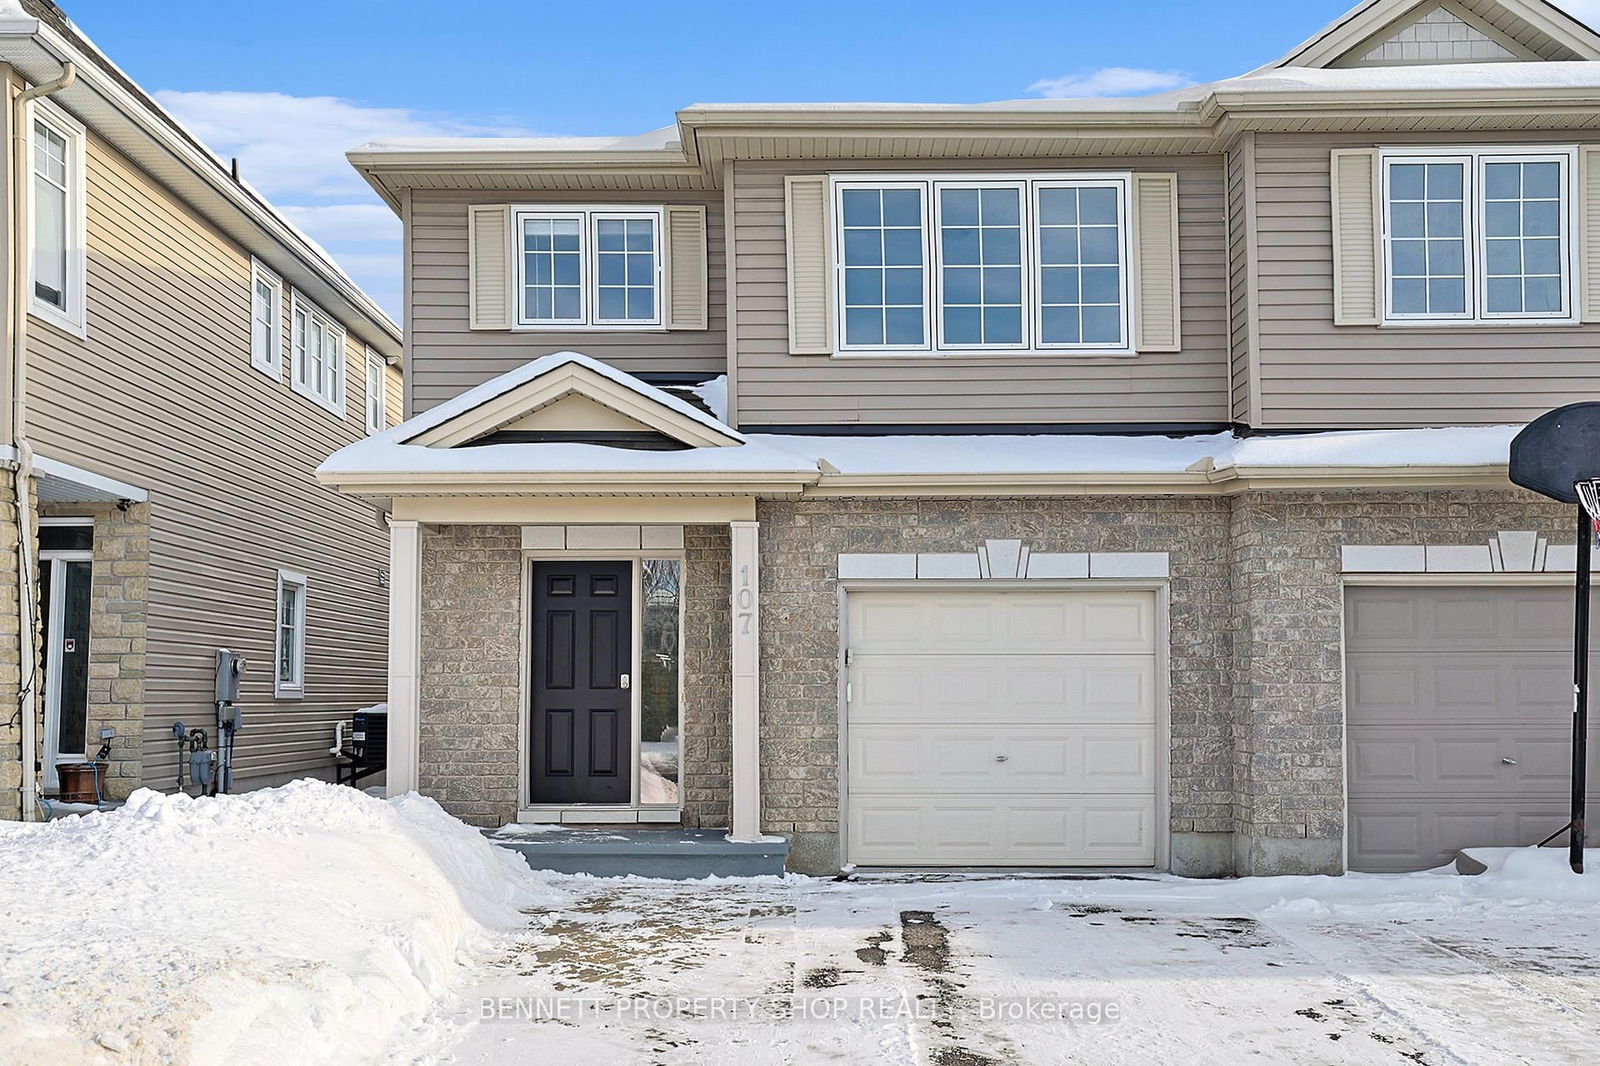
303 924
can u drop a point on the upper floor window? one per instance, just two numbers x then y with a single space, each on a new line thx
1478 235
588 267
56 223
376 393
266 320
979 263
318 344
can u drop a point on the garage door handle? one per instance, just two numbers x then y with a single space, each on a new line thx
1508 761
1001 758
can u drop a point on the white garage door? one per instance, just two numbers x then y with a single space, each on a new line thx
996 728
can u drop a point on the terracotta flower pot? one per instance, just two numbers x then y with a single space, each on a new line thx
77 782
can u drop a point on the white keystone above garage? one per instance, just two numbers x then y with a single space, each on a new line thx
1001 559
1509 552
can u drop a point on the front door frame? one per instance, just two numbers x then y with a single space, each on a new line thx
52 650
1160 587
633 811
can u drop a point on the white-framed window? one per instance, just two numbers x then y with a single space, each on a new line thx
317 343
266 320
1479 235
980 262
377 401
289 647
56 220
587 267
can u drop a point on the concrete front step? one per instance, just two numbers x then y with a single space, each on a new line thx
669 853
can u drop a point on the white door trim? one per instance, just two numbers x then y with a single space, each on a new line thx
1163 593
52 657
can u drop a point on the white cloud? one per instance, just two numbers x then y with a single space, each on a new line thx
1110 81
292 148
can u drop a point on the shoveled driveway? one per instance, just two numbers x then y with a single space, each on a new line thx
963 971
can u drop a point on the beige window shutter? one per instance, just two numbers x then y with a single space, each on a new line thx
808 229
1357 237
686 267
1589 230
1155 262
489 266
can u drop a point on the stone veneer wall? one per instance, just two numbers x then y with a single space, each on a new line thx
1288 670
707 707
471 678
11 754
800 545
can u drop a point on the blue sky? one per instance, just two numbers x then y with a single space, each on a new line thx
288 95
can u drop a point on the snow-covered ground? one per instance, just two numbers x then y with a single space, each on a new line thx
305 924
957 971
313 924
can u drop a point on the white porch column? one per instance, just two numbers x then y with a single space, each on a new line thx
746 648
405 665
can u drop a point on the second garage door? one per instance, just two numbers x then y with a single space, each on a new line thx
1458 720
1001 728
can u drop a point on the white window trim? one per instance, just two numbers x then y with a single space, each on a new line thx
377 375
1475 250
272 364
296 688
74 319
1033 315
336 402
588 215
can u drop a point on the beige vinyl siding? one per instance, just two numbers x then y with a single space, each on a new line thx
162 395
1241 277
1315 374
777 388
394 394
447 357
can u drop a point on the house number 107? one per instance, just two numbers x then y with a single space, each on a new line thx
744 601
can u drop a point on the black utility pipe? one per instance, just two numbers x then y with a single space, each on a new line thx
1580 690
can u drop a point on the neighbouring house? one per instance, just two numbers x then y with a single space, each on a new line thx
178 359
1046 482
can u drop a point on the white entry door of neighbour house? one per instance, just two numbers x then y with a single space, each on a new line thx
992 728
65 575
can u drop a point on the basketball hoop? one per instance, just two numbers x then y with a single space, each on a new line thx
1589 498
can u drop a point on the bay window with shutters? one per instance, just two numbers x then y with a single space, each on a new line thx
588 267
1074 263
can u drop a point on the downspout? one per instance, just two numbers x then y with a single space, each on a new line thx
28 633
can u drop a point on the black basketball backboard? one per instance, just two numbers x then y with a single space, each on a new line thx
1557 450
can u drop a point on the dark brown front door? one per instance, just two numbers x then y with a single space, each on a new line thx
582 655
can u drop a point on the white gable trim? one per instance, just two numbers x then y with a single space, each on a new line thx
1370 19
516 395
1489 44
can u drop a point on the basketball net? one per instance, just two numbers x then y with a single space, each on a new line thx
1589 496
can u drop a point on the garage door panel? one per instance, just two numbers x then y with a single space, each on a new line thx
1001 727
1013 622
1458 720
1454 686
1460 618
1038 760
1016 688
981 830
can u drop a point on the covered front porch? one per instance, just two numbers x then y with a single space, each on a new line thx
575 605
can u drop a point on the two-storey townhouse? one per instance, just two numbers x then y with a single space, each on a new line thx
1048 482
178 359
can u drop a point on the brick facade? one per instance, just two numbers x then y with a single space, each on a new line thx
1256 676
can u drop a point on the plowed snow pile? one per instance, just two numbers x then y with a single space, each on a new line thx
307 924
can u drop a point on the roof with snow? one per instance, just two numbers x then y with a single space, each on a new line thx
461 447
